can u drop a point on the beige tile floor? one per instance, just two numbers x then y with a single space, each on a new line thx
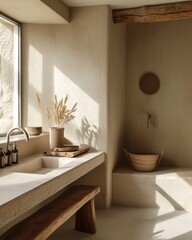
121 223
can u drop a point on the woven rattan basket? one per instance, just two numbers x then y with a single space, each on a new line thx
144 162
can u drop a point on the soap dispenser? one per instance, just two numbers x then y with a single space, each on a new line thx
8 161
2 160
14 154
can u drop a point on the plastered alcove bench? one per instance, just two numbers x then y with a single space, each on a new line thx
166 188
40 225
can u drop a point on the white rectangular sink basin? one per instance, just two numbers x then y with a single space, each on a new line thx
40 165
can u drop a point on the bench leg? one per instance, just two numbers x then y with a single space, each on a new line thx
85 218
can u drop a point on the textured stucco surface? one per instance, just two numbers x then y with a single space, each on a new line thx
70 59
23 191
85 59
165 49
6 76
166 188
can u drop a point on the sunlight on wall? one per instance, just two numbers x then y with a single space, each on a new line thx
85 126
35 68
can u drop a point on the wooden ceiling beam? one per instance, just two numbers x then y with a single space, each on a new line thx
154 13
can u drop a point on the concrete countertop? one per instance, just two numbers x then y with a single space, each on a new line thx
20 192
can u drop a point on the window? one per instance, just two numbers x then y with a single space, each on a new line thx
9 74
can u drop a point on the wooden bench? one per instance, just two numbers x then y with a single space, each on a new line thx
40 225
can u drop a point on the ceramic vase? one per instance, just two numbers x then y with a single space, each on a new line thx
56 137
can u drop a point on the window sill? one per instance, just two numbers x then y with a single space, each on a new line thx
21 137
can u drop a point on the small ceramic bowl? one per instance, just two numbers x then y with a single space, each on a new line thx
33 130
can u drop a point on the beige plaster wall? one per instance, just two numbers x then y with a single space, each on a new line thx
70 59
36 11
115 91
165 49
116 96
85 59
33 146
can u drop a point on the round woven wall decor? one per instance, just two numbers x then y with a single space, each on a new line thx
149 83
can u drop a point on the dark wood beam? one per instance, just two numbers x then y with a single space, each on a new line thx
155 13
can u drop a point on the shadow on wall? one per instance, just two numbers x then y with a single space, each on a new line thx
60 67
88 133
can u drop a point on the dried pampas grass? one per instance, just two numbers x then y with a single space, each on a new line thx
58 114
